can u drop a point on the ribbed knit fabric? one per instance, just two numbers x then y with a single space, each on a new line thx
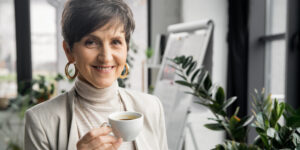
92 107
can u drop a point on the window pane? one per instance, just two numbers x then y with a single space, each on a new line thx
276 16
8 86
278 67
43 38
276 50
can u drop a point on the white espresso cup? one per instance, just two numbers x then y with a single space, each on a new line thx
126 124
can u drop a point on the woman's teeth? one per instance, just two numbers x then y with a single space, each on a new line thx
104 68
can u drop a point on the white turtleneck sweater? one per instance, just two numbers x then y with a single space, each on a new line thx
92 107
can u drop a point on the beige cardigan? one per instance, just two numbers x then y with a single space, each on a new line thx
51 125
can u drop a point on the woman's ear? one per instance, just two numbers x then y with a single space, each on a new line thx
68 51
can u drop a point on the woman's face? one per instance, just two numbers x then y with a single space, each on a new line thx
100 56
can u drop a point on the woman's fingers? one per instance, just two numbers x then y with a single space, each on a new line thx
117 144
110 146
104 147
94 133
102 142
98 139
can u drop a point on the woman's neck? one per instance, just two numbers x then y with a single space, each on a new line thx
96 95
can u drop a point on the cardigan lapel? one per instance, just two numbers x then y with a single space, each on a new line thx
73 132
129 107
126 100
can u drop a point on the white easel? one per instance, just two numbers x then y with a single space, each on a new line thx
194 38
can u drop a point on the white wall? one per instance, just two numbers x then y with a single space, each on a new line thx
217 10
164 13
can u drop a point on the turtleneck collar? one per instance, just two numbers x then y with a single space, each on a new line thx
96 95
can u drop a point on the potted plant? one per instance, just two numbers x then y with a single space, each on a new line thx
266 112
39 91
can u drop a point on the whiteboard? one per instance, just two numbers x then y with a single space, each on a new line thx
187 39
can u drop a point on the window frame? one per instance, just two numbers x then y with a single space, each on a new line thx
23 42
293 54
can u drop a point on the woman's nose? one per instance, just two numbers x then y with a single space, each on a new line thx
105 54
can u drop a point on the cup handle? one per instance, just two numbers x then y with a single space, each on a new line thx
105 124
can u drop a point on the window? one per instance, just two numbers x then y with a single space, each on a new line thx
275 49
8 86
43 38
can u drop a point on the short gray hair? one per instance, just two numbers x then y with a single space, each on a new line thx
81 17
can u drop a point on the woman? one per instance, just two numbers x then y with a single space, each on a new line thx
96 36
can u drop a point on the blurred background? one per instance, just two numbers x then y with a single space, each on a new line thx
254 45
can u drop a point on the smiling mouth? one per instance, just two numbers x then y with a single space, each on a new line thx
104 68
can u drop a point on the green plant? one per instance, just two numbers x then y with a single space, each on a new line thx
149 53
232 145
271 134
292 117
13 146
151 89
39 90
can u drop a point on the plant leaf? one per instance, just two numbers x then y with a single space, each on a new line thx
207 83
183 77
214 126
220 96
187 61
271 132
184 83
248 121
191 93
191 68
195 74
229 102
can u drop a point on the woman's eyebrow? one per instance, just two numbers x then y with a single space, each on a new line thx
99 38
94 36
117 37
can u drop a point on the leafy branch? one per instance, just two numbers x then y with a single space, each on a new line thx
271 134
211 96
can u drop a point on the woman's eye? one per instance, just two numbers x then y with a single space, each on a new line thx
90 43
116 42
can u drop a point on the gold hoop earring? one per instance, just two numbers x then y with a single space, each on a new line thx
67 71
126 72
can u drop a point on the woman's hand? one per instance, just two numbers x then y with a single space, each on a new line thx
99 139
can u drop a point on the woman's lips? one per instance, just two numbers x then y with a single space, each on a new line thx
104 69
